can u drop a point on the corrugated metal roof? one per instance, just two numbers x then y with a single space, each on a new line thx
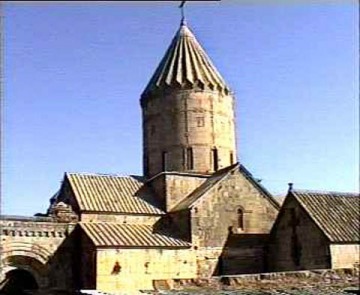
336 214
184 65
128 235
109 193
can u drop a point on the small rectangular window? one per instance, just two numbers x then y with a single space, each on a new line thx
215 159
189 159
240 214
200 121
231 158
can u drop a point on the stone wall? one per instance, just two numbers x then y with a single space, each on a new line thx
87 269
172 187
215 217
320 281
175 121
296 243
345 255
72 266
244 254
180 223
133 269
64 272
29 244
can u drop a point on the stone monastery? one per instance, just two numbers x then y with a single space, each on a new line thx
194 213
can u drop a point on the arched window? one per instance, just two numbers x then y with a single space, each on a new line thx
240 218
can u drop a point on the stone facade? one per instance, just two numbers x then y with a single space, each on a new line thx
29 244
194 214
171 187
233 206
345 255
296 242
311 232
190 131
139 268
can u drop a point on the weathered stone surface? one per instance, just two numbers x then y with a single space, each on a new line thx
171 187
297 242
215 220
29 244
224 225
140 267
345 255
182 119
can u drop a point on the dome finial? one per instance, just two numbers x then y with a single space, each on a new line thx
183 20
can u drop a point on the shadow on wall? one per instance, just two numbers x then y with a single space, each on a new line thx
65 265
18 282
175 225
147 193
242 254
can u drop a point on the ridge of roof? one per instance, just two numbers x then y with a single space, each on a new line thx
215 179
103 174
259 186
185 65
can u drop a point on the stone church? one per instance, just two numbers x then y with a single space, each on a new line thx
196 212
178 220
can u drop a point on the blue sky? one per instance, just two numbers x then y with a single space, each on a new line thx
73 75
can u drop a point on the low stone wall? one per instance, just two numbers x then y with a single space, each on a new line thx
345 255
344 277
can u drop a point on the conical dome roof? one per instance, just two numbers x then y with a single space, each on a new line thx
185 66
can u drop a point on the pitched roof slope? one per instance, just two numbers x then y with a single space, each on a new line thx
185 64
259 186
109 193
336 214
203 188
216 178
128 235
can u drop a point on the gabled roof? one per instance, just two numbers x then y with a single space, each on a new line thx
203 188
336 214
215 179
128 235
185 65
259 186
111 193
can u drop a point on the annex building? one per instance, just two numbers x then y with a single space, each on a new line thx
196 212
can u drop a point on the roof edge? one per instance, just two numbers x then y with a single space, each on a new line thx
176 173
259 186
230 169
325 192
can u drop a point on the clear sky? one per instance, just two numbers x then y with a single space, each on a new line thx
73 75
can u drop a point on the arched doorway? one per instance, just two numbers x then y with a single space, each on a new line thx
22 271
18 281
